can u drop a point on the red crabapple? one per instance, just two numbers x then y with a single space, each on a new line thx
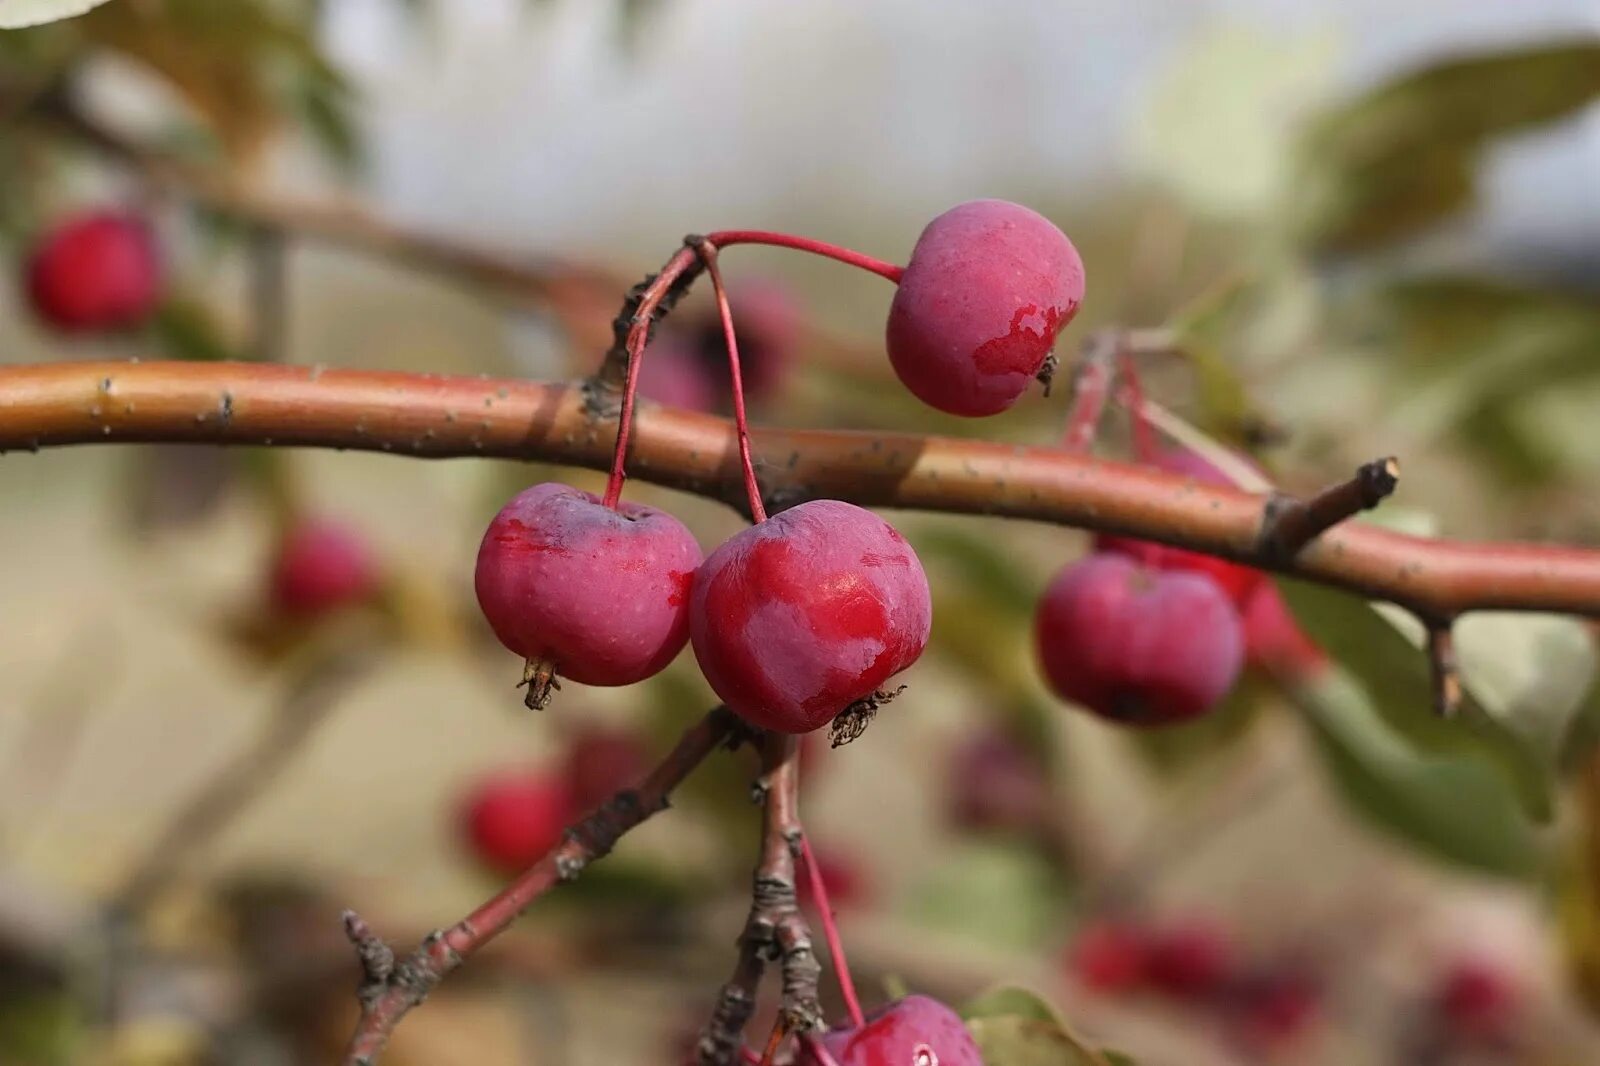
1478 1002
580 590
96 272
1138 646
1190 960
798 617
1273 1012
767 323
672 374
1236 580
321 566
512 818
601 762
1274 641
1109 956
913 1031
989 285
996 784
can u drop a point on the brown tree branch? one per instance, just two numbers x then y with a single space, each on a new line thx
392 987
775 929
1442 664
438 416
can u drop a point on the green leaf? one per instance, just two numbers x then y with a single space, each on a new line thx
1015 1027
1381 647
1403 157
1454 807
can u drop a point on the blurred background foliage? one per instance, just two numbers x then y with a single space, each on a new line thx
1323 249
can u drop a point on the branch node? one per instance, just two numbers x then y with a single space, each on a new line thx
375 956
1289 524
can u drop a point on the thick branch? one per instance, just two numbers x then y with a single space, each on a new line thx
438 416
391 987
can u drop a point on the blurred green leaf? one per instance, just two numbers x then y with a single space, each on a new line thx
991 891
1530 671
1394 672
1475 351
1015 1027
1404 156
1455 807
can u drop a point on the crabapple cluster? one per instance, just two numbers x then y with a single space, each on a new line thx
1267 1006
1145 634
96 272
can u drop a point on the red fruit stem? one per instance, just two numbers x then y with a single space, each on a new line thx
723 238
830 932
638 336
1091 384
1131 393
437 415
752 488
390 990
774 1041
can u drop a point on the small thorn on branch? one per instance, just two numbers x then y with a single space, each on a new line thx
1288 524
1446 674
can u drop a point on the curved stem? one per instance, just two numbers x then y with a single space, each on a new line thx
638 337
830 933
725 237
741 425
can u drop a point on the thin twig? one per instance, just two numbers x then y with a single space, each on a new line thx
437 415
237 783
390 988
775 929
1442 664
1288 524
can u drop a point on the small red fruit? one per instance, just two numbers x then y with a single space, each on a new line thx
997 785
1276 1011
1478 1002
593 594
1239 582
514 817
672 374
601 762
913 1031
800 616
989 285
1109 957
1188 961
95 273
767 323
320 567
1138 646
1274 641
